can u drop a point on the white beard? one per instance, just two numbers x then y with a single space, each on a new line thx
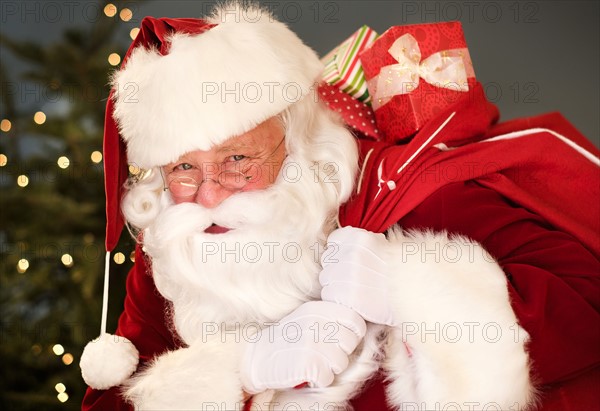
265 267
269 263
240 281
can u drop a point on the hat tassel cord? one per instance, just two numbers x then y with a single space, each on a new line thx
105 294
108 360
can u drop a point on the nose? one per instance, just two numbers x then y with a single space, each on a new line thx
210 194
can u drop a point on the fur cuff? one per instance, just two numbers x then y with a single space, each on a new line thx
458 343
203 376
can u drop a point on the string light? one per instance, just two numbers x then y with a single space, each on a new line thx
3 160
67 260
60 387
132 256
62 397
67 359
110 10
36 349
22 180
58 349
119 258
96 157
5 125
22 265
126 14
63 162
114 59
39 117
134 32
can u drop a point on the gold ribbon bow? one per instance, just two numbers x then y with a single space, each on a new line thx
448 69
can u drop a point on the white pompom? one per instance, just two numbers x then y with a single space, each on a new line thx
108 361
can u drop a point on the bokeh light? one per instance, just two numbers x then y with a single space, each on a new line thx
110 10
39 117
114 59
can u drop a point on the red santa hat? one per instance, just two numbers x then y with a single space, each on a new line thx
188 84
184 85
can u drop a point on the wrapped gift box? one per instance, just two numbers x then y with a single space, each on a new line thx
342 64
413 72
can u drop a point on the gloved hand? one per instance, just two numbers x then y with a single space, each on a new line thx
356 273
310 345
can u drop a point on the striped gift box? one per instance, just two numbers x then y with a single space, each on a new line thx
342 65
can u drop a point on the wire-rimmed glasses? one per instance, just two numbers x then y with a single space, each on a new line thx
232 176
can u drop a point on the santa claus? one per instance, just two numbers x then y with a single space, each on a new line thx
283 264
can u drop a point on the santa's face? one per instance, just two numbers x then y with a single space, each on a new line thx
237 235
240 242
247 162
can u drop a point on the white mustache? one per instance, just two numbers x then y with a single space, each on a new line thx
247 209
241 210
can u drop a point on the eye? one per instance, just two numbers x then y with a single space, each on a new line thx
237 157
182 167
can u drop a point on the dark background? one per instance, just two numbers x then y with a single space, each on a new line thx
532 56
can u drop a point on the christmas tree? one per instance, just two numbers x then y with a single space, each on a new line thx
52 210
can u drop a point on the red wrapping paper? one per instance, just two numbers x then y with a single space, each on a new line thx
405 114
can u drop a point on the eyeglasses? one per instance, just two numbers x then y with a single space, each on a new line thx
230 177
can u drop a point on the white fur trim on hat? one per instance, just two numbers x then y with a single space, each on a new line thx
210 86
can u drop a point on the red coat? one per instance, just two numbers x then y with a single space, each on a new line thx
531 201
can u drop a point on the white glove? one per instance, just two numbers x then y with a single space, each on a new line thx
356 273
309 345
